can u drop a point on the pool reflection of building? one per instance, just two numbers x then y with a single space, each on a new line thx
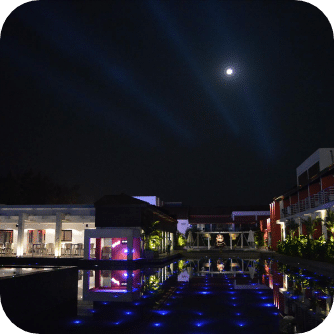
298 293
121 285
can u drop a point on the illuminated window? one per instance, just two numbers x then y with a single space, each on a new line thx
36 236
66 235
6 236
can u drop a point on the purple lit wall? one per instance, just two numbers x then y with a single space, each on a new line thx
119 249
136 248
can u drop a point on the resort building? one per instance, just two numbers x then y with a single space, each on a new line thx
114 227
309 199
61 230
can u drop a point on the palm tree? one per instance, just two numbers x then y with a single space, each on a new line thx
311 225
329 221
152 236
291 226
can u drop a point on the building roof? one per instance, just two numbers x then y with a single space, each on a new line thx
120 200
316 178
223 210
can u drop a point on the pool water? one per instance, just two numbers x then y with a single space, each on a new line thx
201 296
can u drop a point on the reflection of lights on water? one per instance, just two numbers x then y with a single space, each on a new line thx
77 322
241 324
162 312
199 324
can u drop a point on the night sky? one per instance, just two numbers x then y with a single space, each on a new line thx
121 96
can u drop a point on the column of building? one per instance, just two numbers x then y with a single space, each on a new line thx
20 235
59 226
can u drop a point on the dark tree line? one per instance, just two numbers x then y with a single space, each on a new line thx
35 188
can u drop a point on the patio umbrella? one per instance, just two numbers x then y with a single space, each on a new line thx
251 272
250 236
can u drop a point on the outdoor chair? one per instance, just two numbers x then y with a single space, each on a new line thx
29 249
92 251
68 249
2 249
80 249
43 250
8 248
106 253
50 249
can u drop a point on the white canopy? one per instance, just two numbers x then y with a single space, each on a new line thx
250 236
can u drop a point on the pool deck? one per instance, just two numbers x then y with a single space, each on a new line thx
323 268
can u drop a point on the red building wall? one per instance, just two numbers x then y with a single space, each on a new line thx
318 232
327 181
286 202
294 199
303 194
315 188
263 225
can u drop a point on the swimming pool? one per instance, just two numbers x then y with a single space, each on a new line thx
204 295
198 295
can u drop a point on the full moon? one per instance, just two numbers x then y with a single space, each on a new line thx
229 71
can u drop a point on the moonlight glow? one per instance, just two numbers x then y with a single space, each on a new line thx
229 71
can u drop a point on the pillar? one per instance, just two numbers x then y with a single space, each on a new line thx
97 278
230 240
130 247
85 283
20 234
242 239
86 245
323 226
59 226
129 280
163 246
98 249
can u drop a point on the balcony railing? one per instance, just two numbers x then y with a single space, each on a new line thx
320 198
